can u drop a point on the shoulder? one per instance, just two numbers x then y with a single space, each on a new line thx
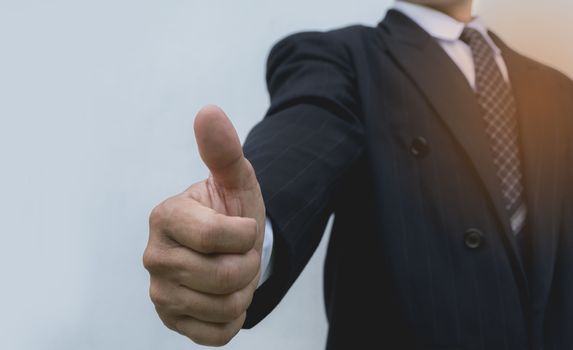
558 83
545 70
555 81
339 41
550 72
344 35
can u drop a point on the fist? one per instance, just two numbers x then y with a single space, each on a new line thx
204 248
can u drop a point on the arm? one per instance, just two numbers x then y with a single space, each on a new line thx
301 151
560 305
205 246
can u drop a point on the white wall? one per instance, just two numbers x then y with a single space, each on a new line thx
97 100
539 29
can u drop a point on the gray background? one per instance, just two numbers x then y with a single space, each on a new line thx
97 100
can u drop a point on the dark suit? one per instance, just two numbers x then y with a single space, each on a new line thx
380 127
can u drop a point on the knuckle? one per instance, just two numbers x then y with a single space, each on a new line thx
211 340
168 321
152 259
157 216
158 262
167 212
219 337
253 263
214 337
233 307
157 296
222 339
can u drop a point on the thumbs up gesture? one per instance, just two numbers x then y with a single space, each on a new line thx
204 249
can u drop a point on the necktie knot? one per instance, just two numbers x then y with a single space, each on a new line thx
471 36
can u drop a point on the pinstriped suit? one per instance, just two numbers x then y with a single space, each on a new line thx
379 126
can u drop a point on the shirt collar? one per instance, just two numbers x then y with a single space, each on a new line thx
441 26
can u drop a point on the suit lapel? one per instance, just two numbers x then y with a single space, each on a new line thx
448 91
540 137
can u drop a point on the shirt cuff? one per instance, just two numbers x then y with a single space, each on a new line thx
267 253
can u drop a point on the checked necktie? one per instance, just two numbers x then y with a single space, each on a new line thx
499 112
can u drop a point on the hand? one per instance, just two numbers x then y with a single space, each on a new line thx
204 249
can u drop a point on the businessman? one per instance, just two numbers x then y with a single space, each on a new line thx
447 159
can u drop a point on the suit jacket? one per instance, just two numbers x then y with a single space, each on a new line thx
381 128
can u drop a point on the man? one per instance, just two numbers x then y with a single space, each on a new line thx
446 158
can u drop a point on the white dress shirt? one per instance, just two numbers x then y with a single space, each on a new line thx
266 255
446 31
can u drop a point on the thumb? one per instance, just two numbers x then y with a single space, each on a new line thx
221 150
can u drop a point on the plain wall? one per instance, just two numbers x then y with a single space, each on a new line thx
541 30
97 100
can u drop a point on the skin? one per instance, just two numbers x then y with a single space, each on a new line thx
204 248
461 10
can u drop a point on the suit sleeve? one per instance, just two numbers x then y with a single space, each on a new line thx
567 216
568 211
560 307
310 137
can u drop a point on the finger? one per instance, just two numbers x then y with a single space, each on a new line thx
221 150
201 306
167 319
218 274
210 334
206 231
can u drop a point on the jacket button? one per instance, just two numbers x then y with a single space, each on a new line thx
420 147
473 238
